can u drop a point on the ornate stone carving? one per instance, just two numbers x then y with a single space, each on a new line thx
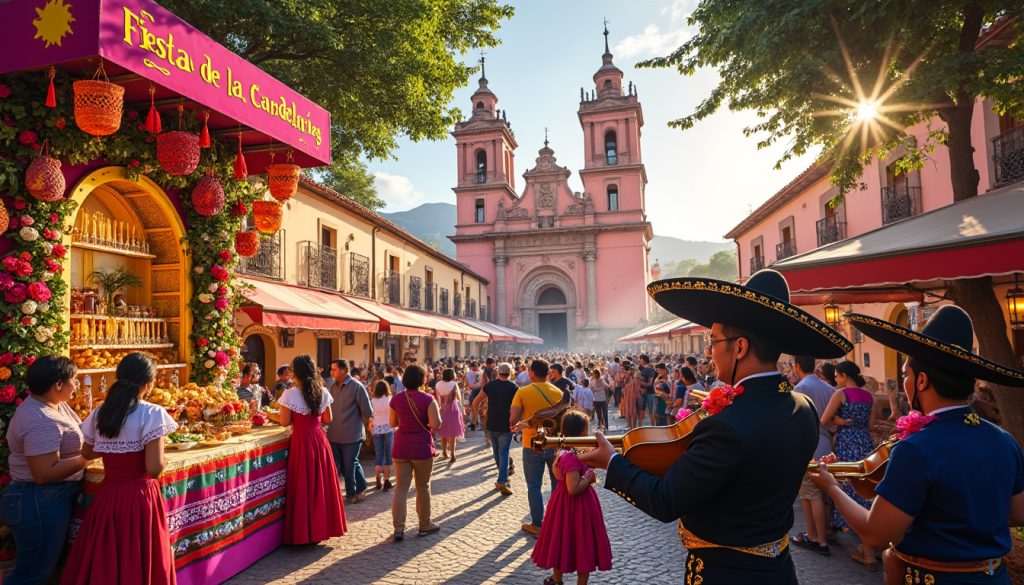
572 265
546 199
590 256
517 213
501 209
576 208
544 240
500 260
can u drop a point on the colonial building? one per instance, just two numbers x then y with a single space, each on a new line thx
570 267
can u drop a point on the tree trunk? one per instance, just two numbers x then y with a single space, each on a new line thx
963 176
976 296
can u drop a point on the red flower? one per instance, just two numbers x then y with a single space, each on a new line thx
19 204
912 423
54 218
6 359
11 263
29 360
16 294
39 292
239 209
228 409
52 265
5 91
61 123
221 359
28 137
140 127
25 269
59 251
25 257
222 291
14 224
8 393
719 398
134 164
224 255
220 273
132 115
202 343
28 321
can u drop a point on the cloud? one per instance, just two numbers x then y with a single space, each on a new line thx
652 42
679 10
397 191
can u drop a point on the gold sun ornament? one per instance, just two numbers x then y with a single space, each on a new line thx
54 22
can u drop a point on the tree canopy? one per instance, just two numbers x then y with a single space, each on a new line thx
383 69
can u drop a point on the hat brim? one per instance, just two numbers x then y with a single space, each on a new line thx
706 301
928 349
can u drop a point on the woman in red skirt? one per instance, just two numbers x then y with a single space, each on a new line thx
313 510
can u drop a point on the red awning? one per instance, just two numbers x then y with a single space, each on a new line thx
638 335
502 333
396 320
981 236
282 305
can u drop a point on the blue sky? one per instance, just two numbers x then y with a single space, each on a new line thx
701 182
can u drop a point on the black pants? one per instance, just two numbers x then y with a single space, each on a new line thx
722 566
601 408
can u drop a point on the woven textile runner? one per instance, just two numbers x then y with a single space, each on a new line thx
217 498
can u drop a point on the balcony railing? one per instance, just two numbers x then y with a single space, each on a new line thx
457 305
830 229
471 308
318 266
483 313
785 249
358 275
444 302
430 298
269 261
756 263
900 201
392 287
415 292
1008 156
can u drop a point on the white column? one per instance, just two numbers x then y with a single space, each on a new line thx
499 284
590 259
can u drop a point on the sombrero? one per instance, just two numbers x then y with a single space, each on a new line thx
761 306
945 341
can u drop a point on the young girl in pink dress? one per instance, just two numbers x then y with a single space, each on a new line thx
124 538
573 537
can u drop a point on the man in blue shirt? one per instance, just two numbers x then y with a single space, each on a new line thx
818 390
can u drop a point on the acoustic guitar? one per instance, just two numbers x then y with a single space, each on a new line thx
865 474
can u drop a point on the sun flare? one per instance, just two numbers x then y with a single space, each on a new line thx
54 22
867 111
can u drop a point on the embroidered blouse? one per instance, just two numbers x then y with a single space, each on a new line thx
293 400
144 424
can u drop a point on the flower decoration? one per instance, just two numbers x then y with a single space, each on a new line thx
720 398
683 413
913 422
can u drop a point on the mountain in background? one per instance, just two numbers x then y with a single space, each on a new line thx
434 222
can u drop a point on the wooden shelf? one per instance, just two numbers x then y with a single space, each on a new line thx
126 346
111 250
114 369
132 319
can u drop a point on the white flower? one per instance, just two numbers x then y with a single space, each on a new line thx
29 307
206 237
29 234
213 287
211 353
43 334
48 248
209 364
44 307
206 298
57 235
198 270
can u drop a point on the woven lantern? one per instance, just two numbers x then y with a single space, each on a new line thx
44 179
247 244
178 152
98 104
208 196
267 216
283 180
5 218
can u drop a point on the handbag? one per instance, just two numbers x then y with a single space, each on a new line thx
412 409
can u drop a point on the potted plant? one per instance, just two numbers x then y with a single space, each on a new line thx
112 283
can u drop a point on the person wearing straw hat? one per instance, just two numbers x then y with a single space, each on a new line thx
954 483
733 490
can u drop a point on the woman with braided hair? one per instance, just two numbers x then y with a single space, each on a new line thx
124 538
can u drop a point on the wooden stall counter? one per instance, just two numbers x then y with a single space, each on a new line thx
225 504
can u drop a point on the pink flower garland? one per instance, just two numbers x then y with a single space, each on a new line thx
912 423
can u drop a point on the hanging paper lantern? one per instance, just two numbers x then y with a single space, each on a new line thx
283 180
178 152
44 179
247 244
208 196
98 106
267 216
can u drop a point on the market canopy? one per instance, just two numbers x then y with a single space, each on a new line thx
399 321
637 336
502 333
980 236
282 305
142 45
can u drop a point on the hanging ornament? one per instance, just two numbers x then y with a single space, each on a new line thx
51 95
44 179
247 244
204 136
208 196
283 179
241 171
5 218
267 216
98 104
153 124
177 150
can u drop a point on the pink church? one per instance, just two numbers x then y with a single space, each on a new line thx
570 267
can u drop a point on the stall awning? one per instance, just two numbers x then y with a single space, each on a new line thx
282 305
638 335
981 236
396 320
453 328
502 333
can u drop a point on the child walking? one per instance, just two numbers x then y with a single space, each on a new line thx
573 537
383 434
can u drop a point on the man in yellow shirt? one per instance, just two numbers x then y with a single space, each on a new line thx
537 395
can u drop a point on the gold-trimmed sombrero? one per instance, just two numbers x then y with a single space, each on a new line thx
945 342
761 306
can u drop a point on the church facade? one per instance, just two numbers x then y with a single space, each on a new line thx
570 267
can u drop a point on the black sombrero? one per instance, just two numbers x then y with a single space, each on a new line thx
761 305
945 342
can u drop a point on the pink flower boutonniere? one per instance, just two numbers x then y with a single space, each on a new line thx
720 398
912 423
683 413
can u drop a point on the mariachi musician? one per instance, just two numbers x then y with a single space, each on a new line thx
953 488
733 489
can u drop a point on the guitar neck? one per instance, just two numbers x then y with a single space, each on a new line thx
563 442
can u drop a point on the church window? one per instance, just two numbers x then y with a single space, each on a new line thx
478 215
611 148
607 83
479 105
481 166
551 296
613 198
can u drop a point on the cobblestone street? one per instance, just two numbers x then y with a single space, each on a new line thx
481 541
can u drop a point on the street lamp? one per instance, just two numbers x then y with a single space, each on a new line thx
834 315
1015 305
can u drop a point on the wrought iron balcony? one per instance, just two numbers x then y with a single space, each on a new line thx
269 261
392 287
483 313
900 201
415 292
358 275
457 305
785 249
471 308
444 302
430 298
830 229
756 263
1008 156
481 177
318 266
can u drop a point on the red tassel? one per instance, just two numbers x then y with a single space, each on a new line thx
241 172
204 136
51 95
153 124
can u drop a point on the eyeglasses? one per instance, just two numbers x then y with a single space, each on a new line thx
711 340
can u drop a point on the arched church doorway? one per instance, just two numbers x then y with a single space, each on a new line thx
552 321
